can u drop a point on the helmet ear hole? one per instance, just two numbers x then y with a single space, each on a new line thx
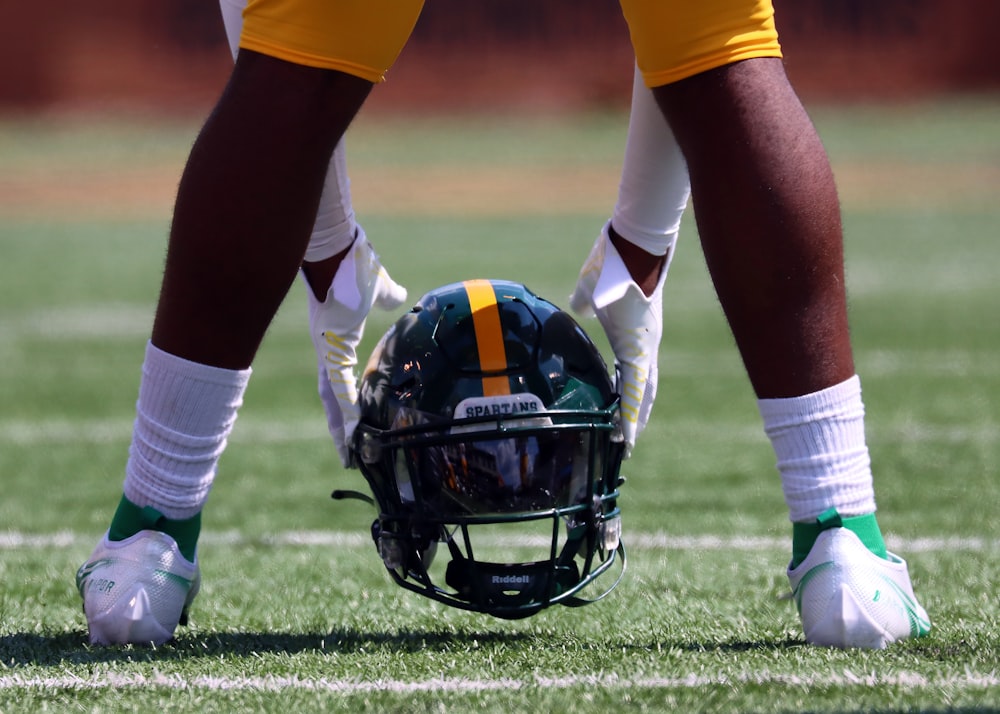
487 423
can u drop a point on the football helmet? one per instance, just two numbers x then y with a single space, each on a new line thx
489 427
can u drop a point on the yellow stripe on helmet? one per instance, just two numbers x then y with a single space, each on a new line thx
489 335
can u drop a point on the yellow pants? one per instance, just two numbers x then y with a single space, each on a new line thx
673 39
358 37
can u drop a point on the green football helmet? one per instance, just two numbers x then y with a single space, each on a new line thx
489 425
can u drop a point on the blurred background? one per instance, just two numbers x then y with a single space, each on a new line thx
492 55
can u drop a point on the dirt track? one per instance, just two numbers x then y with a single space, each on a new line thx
465 191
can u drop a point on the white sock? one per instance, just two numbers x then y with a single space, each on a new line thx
819 441
184 415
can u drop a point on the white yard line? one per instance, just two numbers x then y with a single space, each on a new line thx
905 680
15 540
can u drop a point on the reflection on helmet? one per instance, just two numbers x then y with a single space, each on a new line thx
489 425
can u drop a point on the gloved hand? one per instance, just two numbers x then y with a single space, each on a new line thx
633 324
336 326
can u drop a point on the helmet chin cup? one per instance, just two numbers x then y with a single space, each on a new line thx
489 424
510 590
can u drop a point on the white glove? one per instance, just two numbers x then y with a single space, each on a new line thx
336 326
633 324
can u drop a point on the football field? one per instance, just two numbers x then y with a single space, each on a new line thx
296 611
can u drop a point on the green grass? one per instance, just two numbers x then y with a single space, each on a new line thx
297 613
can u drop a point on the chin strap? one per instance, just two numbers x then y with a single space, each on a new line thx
342 494
514 591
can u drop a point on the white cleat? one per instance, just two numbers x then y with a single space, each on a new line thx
136 590
849 597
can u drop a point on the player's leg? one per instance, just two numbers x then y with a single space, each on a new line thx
337 246
769 221
775 252
246 205
244 213
335 227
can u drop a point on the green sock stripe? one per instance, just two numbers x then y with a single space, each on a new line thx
129 519
866 527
